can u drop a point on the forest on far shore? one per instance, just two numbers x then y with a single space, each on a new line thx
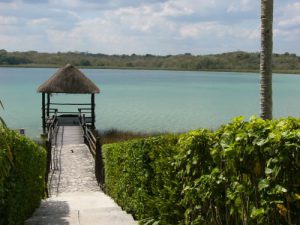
231 61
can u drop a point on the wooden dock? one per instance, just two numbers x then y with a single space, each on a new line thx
74 194
69 135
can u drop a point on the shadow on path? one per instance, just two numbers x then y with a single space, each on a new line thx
53 212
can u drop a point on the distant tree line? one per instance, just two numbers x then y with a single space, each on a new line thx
232 61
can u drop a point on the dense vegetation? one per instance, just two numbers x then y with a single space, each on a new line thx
243 173
233 61
22 176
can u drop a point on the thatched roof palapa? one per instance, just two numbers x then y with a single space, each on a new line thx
69 79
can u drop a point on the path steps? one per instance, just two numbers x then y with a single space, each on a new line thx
75 197
80 208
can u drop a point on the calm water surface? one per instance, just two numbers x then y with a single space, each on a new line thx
150 100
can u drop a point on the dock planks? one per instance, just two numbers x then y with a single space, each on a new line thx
69 135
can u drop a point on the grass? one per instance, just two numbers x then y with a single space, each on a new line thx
115 135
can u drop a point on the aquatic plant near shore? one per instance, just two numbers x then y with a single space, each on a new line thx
114 135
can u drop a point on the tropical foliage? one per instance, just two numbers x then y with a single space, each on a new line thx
243 173
22 177
232 61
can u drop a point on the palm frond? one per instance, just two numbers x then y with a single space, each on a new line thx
1 105
1 120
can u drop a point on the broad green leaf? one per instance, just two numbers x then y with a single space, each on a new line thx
238 119
188 168
228 151
257 212
262 142
268 171
240 188
253 118
9 154
263 184
296 197
278 189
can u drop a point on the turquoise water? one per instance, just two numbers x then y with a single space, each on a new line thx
149 101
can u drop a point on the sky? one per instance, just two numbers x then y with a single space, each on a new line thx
159 27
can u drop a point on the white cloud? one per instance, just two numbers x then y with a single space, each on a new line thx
292 7
9 4
37 22
8 20
196 30
142 26
240 6
294 21
8 25
175 8
218 31
191 31
141 19
287 27
290 15
65 3
14 43
288 35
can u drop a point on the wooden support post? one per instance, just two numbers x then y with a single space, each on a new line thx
93 110
43 113
99 165
48 104
49 157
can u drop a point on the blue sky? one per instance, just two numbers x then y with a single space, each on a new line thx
145 26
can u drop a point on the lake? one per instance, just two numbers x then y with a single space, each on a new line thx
148 101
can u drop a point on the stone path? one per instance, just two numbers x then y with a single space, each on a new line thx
72 166
80 208
75 197
72 170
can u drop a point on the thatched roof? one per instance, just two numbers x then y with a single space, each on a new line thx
68 79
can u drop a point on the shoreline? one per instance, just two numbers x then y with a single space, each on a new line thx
291 72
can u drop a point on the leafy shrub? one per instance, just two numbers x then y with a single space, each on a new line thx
261 170
22 171
243 173
194 164
136 178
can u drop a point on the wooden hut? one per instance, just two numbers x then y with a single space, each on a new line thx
68 80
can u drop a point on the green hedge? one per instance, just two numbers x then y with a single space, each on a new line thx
243 173
22 176
135 175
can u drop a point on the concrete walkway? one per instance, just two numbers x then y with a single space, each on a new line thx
75 197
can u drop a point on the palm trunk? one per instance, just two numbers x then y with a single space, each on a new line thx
266 103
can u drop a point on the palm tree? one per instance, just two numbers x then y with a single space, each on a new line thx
266 103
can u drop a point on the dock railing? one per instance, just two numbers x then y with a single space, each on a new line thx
93 142
52 123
